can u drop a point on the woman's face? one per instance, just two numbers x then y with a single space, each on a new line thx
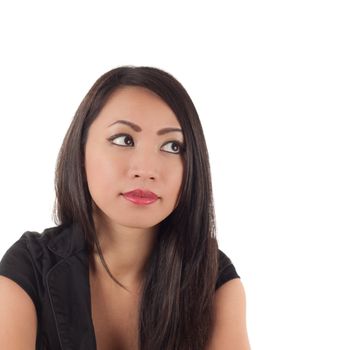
130 146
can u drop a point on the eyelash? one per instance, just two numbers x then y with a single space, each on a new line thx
179 144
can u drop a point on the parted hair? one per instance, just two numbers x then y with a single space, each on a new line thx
176 307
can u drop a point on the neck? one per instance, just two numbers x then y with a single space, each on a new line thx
126 251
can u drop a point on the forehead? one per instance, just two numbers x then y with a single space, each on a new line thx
139 105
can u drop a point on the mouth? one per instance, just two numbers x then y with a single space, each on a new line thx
140 197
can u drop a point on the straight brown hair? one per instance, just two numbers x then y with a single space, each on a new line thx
176 310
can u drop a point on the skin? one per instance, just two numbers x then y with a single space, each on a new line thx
143 159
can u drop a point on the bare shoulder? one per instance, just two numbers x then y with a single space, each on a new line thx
17 317
230 329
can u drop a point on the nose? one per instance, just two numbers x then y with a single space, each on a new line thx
144 167
142 174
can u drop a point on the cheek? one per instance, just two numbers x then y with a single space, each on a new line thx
175 177
101 173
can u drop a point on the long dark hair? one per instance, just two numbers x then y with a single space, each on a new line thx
176 310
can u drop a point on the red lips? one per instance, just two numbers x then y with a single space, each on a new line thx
141 197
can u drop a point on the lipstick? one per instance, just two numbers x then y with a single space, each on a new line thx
140 197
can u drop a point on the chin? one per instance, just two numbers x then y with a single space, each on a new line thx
136 222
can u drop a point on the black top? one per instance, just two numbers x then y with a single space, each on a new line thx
53 268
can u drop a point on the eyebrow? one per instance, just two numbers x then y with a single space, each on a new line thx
137 128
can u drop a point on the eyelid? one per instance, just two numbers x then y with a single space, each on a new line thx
110 139
180 144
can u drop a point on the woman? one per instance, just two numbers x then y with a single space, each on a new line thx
133 262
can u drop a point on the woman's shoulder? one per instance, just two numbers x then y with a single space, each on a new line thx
227 270
19 263
32 243
61 240
28 259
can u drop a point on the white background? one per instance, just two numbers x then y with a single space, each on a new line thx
271 82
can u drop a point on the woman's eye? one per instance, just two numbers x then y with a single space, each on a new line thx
123 140
175 147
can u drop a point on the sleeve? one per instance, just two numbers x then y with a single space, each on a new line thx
17 265
226 270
